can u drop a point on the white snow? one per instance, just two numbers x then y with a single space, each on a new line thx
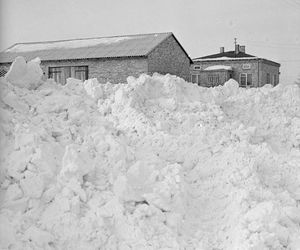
25 75
218 67
157 163
225 58
27 47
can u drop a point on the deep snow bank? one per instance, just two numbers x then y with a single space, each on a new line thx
25 75
157 163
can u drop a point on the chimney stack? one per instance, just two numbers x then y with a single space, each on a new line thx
237 49
221 49
243 48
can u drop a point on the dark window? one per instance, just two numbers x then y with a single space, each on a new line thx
213 79
245 80
81 73
194 78
274 80
61 74
249 79
2 72
268 78
198 80
56 74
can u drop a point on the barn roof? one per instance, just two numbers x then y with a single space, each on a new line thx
100 47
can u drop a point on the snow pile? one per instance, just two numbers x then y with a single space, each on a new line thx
157 163
25 75
218 67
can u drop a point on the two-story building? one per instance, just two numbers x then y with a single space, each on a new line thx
247 70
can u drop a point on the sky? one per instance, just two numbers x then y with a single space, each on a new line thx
268 28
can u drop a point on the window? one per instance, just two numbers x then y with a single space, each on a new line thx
213 79
56 74
245 80
81 73
2 72
195 78
246 66
274 80
249 79
268 78
60 74
197 67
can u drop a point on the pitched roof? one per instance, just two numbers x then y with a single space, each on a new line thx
101 47
229 54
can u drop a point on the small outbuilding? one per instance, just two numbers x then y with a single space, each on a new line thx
110 59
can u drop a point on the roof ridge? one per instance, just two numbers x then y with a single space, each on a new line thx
88 38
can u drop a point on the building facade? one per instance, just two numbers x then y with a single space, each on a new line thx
110 59
247 70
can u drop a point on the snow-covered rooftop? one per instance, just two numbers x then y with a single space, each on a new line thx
225 58
219 67
102 47
71 44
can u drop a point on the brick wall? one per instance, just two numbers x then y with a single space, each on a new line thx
258 68
237 68
168 57
112 70
4 67
264 69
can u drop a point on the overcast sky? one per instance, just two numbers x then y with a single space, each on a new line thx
268 28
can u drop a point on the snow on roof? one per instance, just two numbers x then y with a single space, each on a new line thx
71 44
225 58
100 47
218 67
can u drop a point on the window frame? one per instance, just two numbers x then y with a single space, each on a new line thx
248 82
197 78
67 71
3 72
274 80
268 78
213 79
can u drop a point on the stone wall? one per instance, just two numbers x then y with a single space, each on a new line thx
169 57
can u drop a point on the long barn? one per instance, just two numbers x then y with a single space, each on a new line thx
110 59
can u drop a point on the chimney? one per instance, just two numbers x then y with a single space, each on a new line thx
221 49
243 48
237 49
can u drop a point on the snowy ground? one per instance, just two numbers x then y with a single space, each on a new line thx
157 163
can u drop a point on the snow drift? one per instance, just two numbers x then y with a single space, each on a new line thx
157 163
25 75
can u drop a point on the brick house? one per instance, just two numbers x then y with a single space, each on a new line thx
247 70
110 59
